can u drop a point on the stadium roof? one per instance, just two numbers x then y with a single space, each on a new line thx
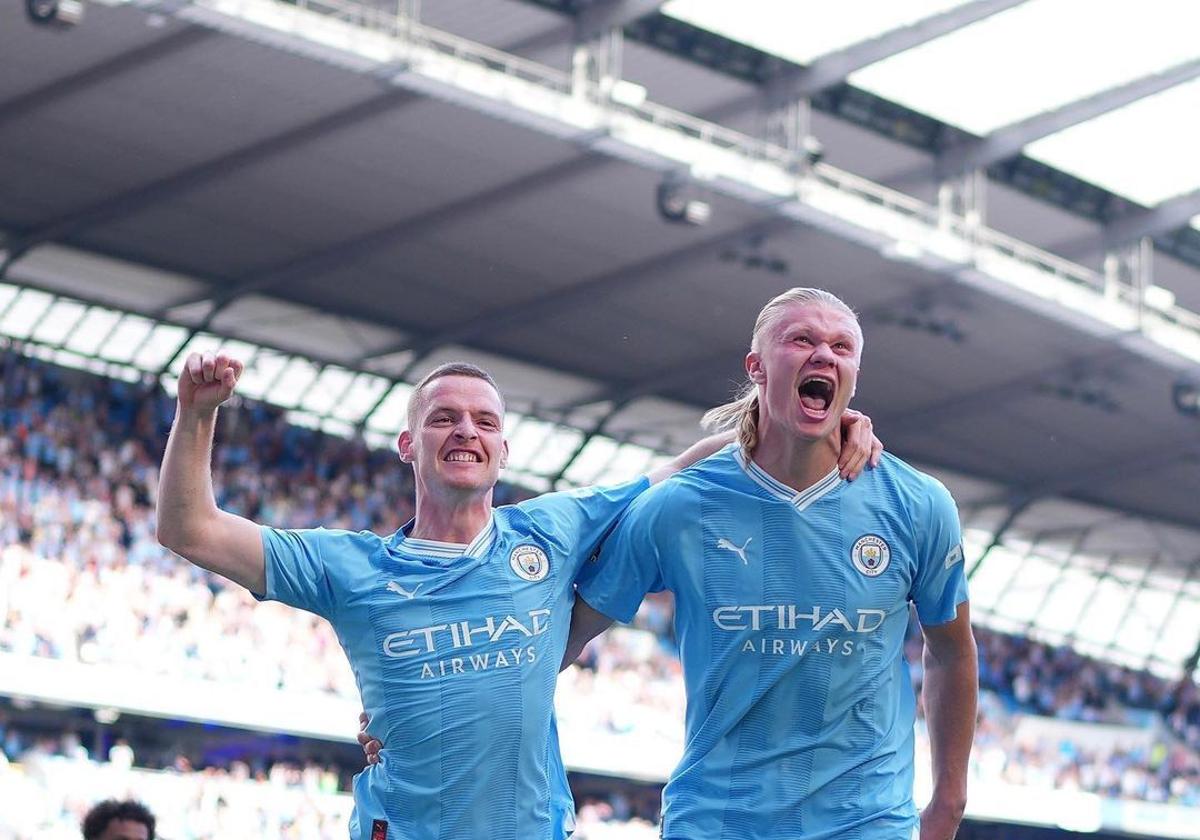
356 197
1022 60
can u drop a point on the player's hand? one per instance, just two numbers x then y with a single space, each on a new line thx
859 445
207 380
371 745
940 821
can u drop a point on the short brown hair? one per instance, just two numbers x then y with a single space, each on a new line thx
448 369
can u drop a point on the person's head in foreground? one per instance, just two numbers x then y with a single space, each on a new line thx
112 820
803 368
455 435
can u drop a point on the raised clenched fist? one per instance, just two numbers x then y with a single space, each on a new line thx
207 380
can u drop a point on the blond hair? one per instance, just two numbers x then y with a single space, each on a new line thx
742 413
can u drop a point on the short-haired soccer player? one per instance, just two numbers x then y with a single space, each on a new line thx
113 820
455 626
792 591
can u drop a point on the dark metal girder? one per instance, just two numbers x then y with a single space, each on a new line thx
574 295
590 22
194 177
102 72
1162 218
982 399
357 247
1163 454
603 15
1018 504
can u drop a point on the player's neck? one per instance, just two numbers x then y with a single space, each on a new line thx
797 462
451 518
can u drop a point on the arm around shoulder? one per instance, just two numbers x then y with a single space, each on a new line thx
696 452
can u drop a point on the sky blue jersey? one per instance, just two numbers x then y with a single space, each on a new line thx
455 653
791 610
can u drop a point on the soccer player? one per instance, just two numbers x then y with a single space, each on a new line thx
113 820
455 626
791 591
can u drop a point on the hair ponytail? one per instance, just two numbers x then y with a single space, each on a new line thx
740 415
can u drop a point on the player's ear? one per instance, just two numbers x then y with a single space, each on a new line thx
754 368
503 454
404 444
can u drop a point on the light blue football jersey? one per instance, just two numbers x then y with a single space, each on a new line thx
790 612
455 654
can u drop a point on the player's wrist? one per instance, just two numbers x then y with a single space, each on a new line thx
950 798
194 416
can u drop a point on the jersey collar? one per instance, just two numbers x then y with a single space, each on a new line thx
437 550
797 499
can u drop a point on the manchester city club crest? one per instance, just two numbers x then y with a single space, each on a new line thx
871 555
529 562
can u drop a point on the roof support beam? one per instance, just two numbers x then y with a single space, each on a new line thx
591 434
1009 140
828 70
497 320
965 405
1138 463
589 23
1018 504
324 259
653 384
1165 217
602 15
102 72
165 189
833 68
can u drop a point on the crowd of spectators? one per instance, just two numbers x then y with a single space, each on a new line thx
82 578
53 780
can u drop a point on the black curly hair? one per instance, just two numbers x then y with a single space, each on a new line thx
97 819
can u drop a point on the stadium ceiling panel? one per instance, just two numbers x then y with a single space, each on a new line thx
1146 150
1035 58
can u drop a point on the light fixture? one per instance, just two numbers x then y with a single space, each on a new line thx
752 254
1187 398
676 207
57 13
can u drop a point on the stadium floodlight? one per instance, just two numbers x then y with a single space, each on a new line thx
1187 398
675 206
57 13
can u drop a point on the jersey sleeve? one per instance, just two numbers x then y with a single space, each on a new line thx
580 519
940 584
629 564
297 572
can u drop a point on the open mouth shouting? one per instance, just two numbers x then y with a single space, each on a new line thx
816 393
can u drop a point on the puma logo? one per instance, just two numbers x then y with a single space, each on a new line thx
739 550
400 590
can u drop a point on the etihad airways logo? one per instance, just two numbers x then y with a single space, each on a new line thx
794 617
456 635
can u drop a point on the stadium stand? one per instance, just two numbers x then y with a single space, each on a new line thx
82 580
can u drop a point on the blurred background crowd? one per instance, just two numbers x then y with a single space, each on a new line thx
83 579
